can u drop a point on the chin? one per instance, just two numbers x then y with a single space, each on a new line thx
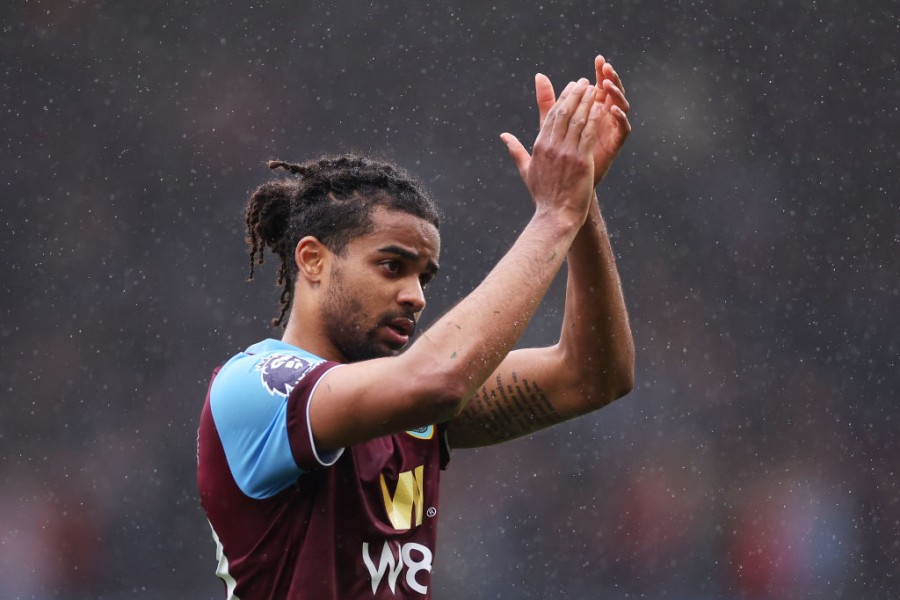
370 351
388 351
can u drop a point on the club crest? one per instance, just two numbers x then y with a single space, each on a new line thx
280 373
422 433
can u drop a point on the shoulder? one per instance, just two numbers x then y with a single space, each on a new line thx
257 409
270 368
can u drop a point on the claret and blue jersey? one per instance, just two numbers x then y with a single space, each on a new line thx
293 521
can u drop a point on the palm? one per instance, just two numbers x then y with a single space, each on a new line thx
609 141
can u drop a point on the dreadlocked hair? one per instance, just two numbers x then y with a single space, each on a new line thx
331 199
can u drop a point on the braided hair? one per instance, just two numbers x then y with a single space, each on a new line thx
331 199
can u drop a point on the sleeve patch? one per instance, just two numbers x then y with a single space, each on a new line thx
249 403
280 373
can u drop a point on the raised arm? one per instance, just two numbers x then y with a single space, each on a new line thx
434 379
593 362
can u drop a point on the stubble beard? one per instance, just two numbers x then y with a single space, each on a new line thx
344 319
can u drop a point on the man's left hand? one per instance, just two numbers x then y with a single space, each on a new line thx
613 127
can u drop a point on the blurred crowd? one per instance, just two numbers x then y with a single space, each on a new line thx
754 214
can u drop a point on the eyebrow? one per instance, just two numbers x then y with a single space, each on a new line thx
408 254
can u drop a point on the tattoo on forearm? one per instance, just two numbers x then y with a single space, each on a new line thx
512 408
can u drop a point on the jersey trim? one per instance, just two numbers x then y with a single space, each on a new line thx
222 571
326 458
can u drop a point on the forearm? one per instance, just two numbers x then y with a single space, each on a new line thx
596 336
474 337
468 343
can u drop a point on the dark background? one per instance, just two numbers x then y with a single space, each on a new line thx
754 213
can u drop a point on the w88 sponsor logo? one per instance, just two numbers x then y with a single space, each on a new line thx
394 557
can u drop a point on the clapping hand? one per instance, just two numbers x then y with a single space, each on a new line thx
613 127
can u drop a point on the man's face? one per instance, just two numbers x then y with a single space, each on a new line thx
375 291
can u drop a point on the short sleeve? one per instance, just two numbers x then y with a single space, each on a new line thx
255 401
303 446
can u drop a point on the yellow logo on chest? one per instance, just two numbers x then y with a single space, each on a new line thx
406 506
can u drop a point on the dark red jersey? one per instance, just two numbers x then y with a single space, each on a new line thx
292 521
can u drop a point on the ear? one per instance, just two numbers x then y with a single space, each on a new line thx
311 257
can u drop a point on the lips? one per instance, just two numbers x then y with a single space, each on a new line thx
400 329
402 325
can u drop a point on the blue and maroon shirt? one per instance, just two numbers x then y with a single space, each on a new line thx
292 521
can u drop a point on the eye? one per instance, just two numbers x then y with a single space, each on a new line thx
391 266
425 279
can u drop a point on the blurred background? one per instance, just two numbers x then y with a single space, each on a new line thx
754 212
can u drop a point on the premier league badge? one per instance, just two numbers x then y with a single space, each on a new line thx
281 372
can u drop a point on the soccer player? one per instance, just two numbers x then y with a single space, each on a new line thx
319 454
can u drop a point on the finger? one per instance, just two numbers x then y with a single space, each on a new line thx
623 125
620 125
561 113
547 126
545 96
599 61
608 72
517 152
562 98
580 117
614 96
589 133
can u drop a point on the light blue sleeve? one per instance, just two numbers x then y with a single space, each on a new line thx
251 419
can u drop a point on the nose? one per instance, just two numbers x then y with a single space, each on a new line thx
412 295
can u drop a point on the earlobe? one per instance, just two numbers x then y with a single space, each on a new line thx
310 256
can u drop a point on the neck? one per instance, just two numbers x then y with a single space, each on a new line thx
309 340
292 335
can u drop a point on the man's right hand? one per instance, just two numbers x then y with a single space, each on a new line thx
560 173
